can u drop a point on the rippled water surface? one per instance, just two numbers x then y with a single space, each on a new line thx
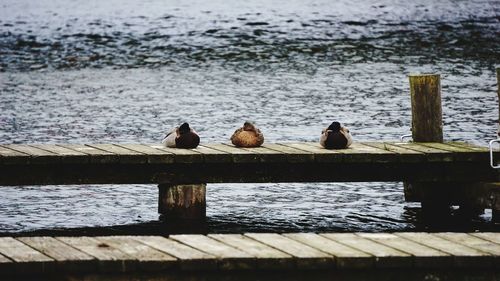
127 71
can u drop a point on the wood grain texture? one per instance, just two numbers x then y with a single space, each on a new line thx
213 155
9 156
267 257
229 257
37 156
181 155
188 257
66 155
109 258
405 155
153 155
149 259
97 156
27 260
293 155
124 155
463 256
307 257
239 155
385 257
423 256
431 154
345 257
427 116
490 236
320 154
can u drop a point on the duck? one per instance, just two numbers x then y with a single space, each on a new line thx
181 137
247 136
335 137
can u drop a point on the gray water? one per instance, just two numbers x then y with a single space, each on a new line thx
127 71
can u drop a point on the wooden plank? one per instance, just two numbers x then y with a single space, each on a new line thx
360 153
345 257
463 255
189 258
307 257
149 258
470 146
432 154
404 155
239 155
67 155
153 155
96 155
267 155
125 155
490 236
68 258
181 155
28 260
37 156
423 256
9 156
293 155
385 257
214 156
459 153
267 257
320 154
474 242
109 258
229 258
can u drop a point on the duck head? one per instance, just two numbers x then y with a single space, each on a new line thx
184 128
248 126
334 127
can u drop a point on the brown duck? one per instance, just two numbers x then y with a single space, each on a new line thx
247 136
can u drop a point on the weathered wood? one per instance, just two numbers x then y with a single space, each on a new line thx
96 155
153 155
189 258
109 258
427 120
124 155
181 155
405 155
186 202
459 153
385 257
68 258
239 155
267 155
423 256
498 93
267 257
229 257
320 154
345 257
149 259
432 154
28 260
9 156
293 155
66 155
490 236
463 255
308 257
214 156
474 242
361 153
37 156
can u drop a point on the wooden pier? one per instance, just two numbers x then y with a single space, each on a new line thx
454 172
251 252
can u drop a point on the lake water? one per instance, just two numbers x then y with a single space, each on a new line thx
127 71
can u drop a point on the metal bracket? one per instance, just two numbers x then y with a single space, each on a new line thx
403 137
491 154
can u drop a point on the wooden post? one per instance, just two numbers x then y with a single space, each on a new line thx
426 112
427 126
495 208
498 93
182 202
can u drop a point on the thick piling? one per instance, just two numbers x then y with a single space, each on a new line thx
427 126
182 202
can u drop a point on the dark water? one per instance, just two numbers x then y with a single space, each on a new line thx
127 71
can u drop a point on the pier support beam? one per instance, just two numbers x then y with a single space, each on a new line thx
182 202
427 126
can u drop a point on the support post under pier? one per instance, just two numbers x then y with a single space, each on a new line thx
182 202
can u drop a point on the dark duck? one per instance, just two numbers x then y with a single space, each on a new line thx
335 137
182 137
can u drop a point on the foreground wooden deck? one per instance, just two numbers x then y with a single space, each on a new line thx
42 164
253 251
